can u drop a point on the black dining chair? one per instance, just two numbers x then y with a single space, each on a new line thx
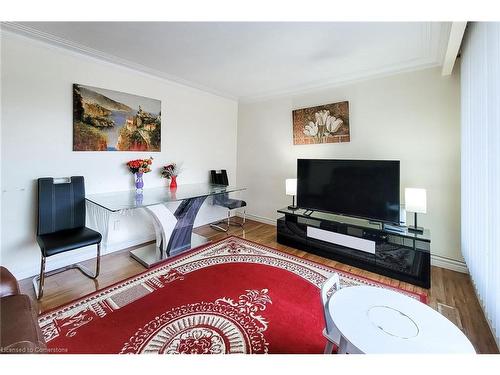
61 225
220 178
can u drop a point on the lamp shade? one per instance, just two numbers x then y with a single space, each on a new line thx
416 200
291 186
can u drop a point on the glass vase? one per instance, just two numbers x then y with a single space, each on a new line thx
173 182
139 182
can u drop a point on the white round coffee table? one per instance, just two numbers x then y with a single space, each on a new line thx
378 320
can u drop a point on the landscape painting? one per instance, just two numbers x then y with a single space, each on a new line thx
327 123
107 120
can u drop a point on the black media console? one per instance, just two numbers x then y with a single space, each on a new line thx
401 255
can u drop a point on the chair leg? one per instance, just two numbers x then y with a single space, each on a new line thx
98 260
328 347
237 223
218 227
86 271
228 222
38 281
342 345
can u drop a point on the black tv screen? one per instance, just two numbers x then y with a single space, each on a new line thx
361 188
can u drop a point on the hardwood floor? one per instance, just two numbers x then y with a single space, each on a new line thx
451 293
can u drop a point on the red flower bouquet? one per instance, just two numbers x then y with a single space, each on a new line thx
140 165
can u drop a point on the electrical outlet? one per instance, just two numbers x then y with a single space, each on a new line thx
116 225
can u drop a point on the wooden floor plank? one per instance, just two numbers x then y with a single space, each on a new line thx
448 287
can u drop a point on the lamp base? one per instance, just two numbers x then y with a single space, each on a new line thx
292 207
416 229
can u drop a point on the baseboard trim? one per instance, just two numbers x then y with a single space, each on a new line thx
450 264
436 260
260 219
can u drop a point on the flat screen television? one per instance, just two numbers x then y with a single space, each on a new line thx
361 188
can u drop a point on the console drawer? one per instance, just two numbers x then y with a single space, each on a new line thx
342 239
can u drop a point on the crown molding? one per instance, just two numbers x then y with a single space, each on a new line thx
341 81
50 39
433 56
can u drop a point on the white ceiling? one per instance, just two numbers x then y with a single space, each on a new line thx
254 60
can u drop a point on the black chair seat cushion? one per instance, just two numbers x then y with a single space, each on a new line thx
235 203
68 239
231 203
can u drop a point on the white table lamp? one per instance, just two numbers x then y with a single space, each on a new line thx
291 189
416 202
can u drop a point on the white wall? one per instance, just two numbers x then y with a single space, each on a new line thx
198 129
412 117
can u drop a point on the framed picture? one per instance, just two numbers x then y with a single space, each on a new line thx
107 120
327 123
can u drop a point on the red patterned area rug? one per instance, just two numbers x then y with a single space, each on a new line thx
232 296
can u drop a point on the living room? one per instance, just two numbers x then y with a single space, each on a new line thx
311 186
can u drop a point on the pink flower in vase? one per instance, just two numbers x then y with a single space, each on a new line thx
171 171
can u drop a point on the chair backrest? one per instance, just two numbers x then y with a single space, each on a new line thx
332 282
61 205
219 177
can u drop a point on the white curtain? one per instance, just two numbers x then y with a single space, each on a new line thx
480 97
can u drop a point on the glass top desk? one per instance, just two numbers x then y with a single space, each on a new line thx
174 230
